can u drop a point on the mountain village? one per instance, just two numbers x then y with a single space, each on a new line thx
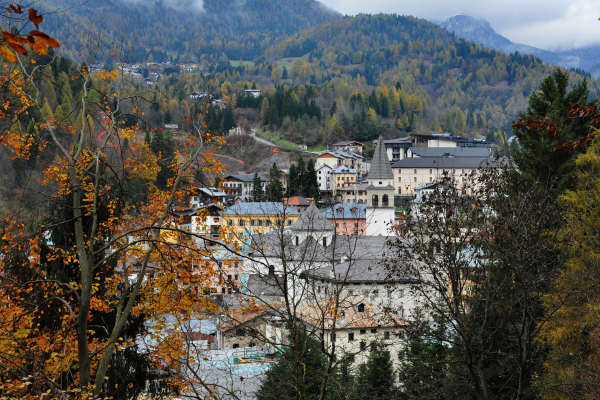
311 253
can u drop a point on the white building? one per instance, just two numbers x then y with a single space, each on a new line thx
380 194
412 172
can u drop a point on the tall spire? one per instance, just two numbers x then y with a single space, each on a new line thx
380 165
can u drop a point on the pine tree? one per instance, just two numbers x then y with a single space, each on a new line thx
375 378
294 183
274 188
538 157
312 186
257 189
298 373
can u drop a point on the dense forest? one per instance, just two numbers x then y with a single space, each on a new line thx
323 76
180 31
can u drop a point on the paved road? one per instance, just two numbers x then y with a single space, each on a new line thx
261 140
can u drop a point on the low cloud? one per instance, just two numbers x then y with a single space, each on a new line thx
541 23
181 5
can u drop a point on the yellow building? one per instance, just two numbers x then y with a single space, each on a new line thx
244 219
342 177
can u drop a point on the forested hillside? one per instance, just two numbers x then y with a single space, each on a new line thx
181 30
463 86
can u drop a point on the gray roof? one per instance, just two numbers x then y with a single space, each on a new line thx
245 177
448 162
310 250
346 211
212 192
342 154
355 271
380 166
264 285
480 152
311 220
261 208
402 140
346 142
281 245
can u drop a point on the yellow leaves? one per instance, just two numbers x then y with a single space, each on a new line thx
107 75
7 54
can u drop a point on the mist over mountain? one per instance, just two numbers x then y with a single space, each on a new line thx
480 31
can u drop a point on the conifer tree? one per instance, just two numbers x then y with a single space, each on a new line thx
274 188
546 125
375 378
257 189
298 373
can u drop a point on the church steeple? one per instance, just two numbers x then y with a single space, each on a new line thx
380 193
380 165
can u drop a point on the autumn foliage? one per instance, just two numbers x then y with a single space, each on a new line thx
99 261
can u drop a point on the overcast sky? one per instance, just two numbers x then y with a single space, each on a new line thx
548 24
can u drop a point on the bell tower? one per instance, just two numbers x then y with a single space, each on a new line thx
380 194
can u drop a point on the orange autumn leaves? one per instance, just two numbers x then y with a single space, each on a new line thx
36 41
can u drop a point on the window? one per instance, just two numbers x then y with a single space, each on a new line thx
415 171
216 220
251 344
375 293
374 330
236 277
430 171
235 345
384 200
297 240
415 179
229 277
333 337
324 242
363 345
399 179
289 222
375 200
356 225
430 179
363 331
241 222
386 335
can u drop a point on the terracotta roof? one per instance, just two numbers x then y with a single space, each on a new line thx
297 201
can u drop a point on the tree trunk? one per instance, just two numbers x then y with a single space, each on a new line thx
85 282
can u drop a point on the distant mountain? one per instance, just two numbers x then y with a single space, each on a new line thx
181 30
450 73
480 31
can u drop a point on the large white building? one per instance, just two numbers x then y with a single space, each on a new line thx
412 172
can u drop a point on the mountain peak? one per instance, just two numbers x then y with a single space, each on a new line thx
475 29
